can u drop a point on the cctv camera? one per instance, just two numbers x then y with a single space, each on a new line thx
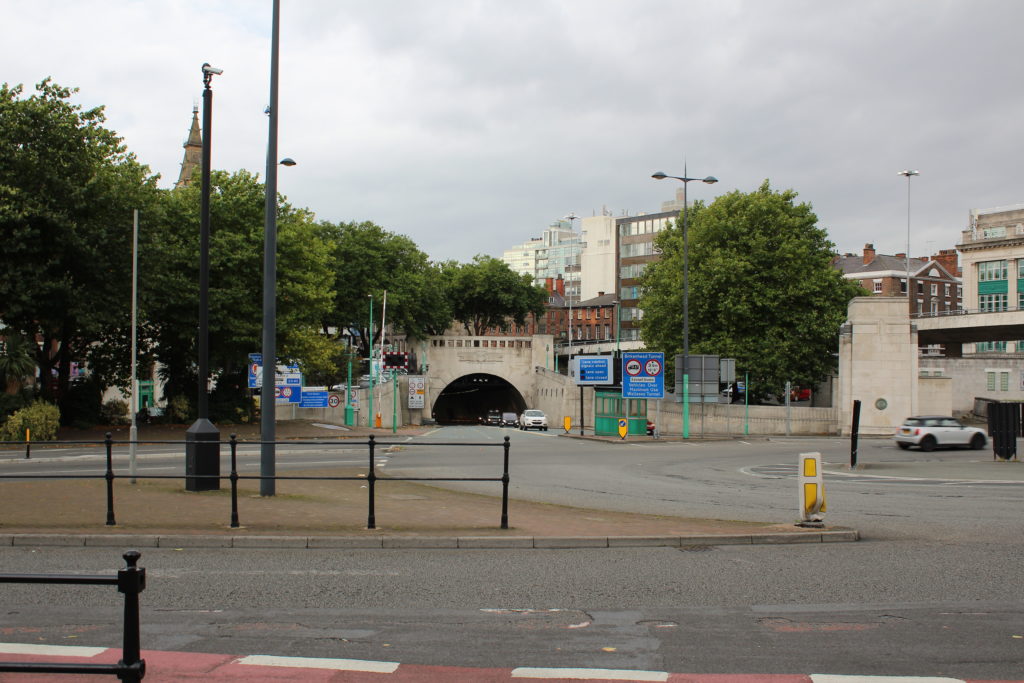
207 69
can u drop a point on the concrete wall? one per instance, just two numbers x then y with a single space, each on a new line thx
969 378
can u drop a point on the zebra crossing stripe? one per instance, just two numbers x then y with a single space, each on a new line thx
589 674
321 663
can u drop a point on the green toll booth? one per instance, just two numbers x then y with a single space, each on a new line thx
610 407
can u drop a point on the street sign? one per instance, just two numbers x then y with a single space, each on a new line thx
313 399
417 391
334 400
623 428
287 393
588 370
643 374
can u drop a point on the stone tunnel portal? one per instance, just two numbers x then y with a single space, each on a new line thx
467 399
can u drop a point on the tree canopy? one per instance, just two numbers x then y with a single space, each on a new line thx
67 190
487 293
762 289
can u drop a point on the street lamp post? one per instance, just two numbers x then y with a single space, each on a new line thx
681 386
568 297
202 439
268 408
908 174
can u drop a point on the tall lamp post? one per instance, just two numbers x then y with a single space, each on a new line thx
568 297
908 174
202 439
268 408
682 381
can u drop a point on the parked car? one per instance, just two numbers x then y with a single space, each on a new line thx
533 419
931 431
800 394
734 393
509 419
493 418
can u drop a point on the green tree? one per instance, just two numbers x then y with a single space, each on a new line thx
487 293
16 363
67 188
762 289
370 260
169 299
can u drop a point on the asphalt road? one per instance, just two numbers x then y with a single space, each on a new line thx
932 589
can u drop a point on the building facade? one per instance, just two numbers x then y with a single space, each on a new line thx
935 286
556 253
635 252
992 249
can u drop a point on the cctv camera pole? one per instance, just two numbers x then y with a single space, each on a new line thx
268 417
202 439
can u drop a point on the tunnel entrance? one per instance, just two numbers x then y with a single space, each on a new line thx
467 399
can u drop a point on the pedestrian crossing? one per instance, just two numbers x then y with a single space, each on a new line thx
164 667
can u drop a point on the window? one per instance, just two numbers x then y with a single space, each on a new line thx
903 285
1004 381
990 303
946 290
990 381
920 288
959 291
991 270
935 289
878 286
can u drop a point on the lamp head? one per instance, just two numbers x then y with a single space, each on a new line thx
659 175
908 173
710 180
287 161
211 70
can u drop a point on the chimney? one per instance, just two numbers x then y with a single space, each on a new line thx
948 259
600 293
869 253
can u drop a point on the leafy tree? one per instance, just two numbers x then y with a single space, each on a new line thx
487 293
370 260
16 363
762 289
305 284
67 187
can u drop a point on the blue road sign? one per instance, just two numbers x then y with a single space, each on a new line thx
643 374
313 399
592 369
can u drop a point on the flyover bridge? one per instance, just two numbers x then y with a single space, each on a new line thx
965 327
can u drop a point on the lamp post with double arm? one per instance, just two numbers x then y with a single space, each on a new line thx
682 373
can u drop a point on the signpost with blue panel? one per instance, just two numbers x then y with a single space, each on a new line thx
643 374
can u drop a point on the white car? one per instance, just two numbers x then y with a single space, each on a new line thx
931 431
533 419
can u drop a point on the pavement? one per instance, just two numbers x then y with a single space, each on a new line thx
333 513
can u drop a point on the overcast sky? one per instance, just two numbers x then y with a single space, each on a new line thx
470 125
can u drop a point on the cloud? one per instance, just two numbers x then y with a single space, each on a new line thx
471 125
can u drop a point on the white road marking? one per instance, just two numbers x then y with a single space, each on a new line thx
51 650
589 674
833 678
321 663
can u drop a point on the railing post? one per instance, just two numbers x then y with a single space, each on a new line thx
131 581
504 488
234 481
110 480
371 478
28 444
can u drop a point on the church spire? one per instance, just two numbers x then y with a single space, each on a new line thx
193 151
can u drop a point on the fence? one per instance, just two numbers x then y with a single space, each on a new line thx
131 581
370 478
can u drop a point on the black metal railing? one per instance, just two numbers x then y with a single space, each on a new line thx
371 477
130 581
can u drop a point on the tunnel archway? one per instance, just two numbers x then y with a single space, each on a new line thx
467 399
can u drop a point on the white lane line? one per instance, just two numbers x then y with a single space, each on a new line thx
321 663
589 674
839 678
51 650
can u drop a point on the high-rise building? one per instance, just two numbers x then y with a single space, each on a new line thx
556 253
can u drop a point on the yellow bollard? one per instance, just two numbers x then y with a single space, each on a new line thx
812 490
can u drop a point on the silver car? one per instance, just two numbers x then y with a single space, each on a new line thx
929 432
533 419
